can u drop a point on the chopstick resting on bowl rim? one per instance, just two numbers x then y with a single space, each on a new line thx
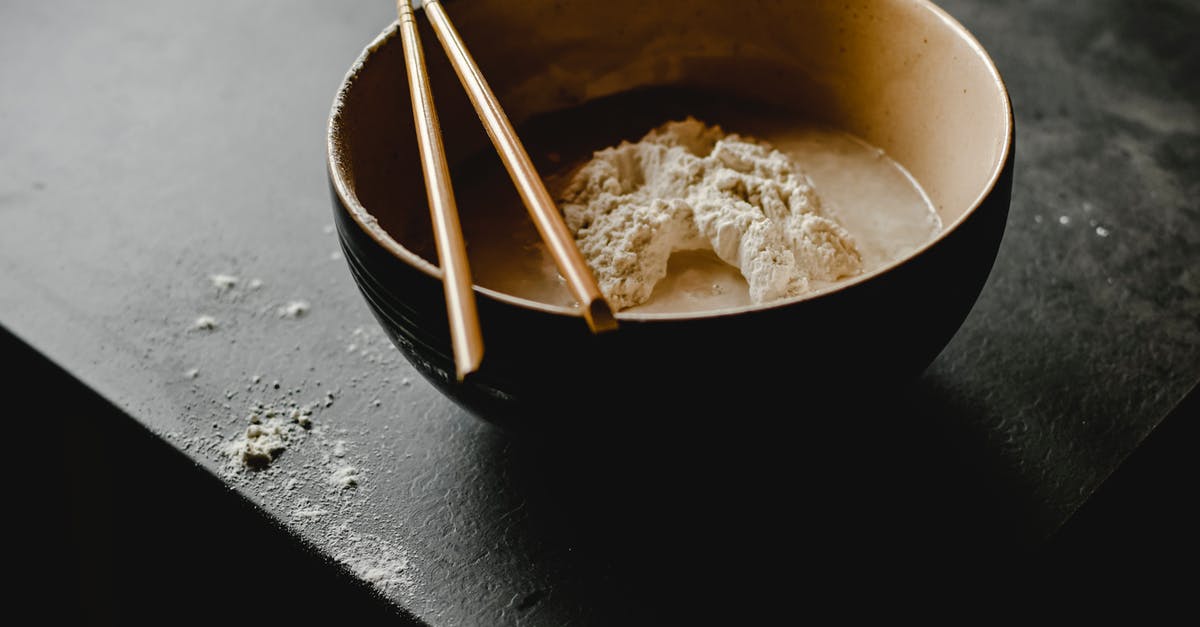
465 336
545 214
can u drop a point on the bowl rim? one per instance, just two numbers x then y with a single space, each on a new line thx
371 227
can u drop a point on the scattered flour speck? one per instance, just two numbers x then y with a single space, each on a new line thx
1102 232
1064 220
344 477
383 564
261 443
223 281
204 323
309 512
372 345
294 309
271 431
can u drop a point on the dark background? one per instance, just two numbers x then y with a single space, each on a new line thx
94 547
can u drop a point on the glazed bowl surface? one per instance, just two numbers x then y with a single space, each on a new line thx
901 74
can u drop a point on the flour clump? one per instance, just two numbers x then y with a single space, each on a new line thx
690 186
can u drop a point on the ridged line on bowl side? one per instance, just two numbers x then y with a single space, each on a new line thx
400 316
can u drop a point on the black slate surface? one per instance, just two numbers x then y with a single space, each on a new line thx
149 145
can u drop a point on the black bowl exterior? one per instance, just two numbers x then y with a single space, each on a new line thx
544 370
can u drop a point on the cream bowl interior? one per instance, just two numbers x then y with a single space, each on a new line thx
900 74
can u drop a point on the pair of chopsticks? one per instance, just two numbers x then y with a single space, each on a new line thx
465 335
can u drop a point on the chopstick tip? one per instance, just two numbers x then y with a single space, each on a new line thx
466 363
599 316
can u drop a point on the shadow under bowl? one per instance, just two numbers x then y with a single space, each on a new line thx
901 74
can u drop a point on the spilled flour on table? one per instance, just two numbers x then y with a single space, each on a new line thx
271 430
294 309
343 477
283 451
372 558
373 346
204 323
309 512
229 286
223 282
280 444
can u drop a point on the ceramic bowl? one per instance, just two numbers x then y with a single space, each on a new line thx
901 74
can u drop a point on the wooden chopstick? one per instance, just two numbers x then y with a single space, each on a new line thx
542 209
465 336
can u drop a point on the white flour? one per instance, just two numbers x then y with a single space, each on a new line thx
204 323
288 447
688 186
270 432
294 309
223 281
343 477
372 558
